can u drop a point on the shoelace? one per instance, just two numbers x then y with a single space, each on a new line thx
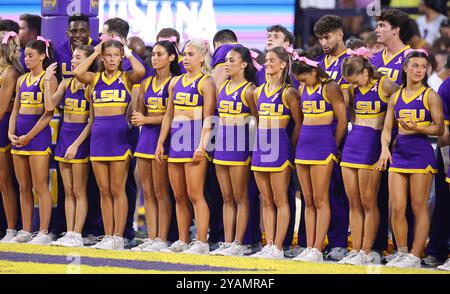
102 239
194 243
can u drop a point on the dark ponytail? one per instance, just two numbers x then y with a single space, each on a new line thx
250 70
41 48
171 49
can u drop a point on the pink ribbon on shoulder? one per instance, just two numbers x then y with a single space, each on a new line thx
255 55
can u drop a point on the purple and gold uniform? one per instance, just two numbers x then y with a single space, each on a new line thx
316 144
232 141
185 134
444 93
391 67
63 56
334 68
5 144
273 151
362 147
155 99
110 134
31 95
413 153
76 101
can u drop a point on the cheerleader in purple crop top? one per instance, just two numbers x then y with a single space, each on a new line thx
187 124
110 148
152 105
72 147
278 106
419 113
235 106
316 152
30 135
369 93
10 71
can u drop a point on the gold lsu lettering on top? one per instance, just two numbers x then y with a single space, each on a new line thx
230 107
392 74
72 104
271 109
110 96
416 115
187 99
31 98
156 103
65 71
311 106
368 107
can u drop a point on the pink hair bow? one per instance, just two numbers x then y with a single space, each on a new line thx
255 55
363 52
105 38
40 38
8 35
171 39
303 59
407 52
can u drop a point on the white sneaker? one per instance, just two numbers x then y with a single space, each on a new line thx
275 253
408 260
445 266
397 257
156 246
235 249
349 256
10 234
303 253
176 247
75 240
61 240
337 253
42 238
222 247
361 259
140 247
263 252
103 239
118 243
197 247
313 255
22 237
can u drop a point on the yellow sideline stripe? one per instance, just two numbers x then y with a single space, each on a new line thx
245 264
